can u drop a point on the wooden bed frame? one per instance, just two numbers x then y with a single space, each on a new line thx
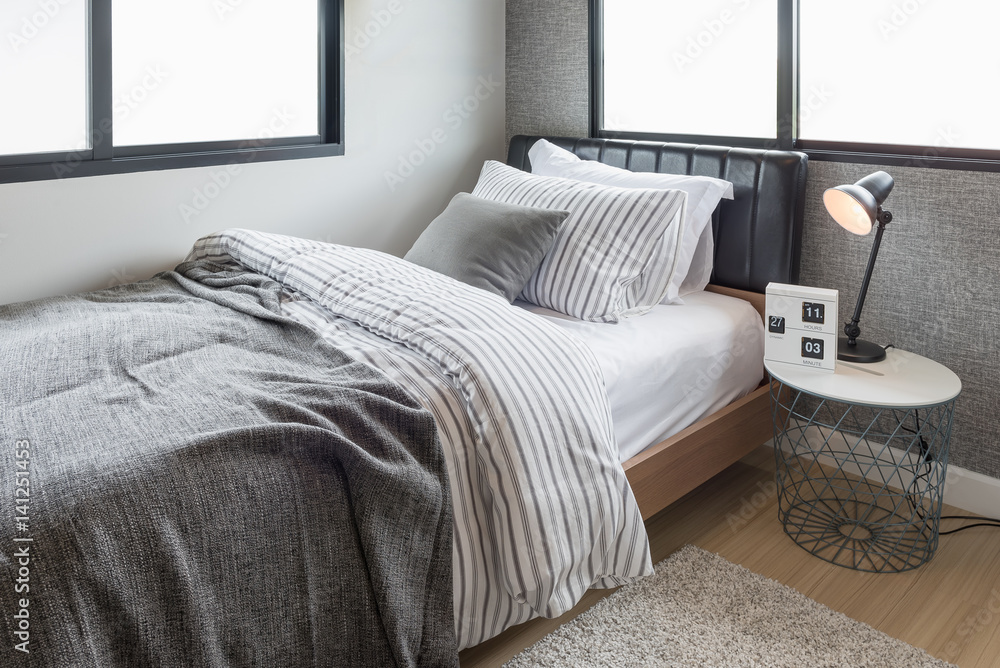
758 240
663 473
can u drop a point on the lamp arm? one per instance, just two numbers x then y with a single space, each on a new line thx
851 329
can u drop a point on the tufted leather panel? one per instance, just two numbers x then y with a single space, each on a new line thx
758 234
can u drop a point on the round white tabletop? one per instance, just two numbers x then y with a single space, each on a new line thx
901 380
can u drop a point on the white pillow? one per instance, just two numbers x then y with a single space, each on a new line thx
697 246
614 255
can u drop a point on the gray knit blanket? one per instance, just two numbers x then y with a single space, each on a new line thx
191 479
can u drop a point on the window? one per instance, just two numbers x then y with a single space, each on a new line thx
924 72
45 61
889 81
111 86
683 79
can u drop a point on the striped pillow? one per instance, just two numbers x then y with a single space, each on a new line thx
614 255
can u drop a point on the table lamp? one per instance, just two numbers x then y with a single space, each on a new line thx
857 208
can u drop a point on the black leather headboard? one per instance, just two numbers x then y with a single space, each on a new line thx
758 235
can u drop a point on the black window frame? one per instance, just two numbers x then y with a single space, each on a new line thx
786 122
104 159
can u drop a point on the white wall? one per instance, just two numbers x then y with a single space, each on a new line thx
87 233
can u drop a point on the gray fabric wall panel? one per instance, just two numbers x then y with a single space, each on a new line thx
547 58
936 288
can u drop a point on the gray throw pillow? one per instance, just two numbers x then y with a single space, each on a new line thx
491 245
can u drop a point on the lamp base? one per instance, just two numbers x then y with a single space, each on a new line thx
863 352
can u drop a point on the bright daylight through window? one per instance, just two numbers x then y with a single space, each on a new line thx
246 73
906 77
690 67
43 75
913 72
110 86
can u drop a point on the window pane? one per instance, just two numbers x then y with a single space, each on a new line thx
681 67
197 71
43 76
892 72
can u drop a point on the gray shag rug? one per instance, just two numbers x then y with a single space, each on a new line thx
701 610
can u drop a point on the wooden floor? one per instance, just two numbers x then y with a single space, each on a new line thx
949 606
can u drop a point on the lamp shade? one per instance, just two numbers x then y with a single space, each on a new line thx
855 207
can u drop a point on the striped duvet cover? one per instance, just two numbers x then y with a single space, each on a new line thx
542 508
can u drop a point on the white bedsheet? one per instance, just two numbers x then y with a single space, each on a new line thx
669 368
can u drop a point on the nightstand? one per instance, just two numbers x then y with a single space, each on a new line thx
861 457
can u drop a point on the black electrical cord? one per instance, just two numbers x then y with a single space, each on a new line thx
915 507
979 520
994 523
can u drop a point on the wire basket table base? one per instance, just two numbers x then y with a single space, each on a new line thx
860 486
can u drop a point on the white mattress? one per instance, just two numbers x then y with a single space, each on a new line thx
669 368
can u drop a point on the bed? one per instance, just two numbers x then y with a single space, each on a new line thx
517 496
757 240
